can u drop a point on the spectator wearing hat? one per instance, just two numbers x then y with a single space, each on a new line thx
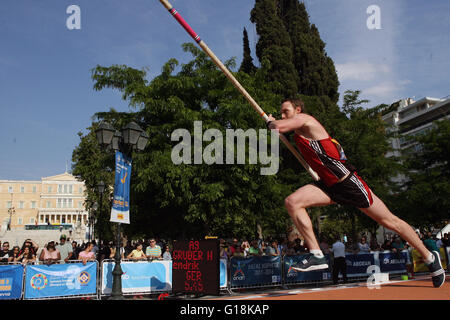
64 248
50 254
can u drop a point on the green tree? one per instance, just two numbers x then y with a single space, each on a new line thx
247 65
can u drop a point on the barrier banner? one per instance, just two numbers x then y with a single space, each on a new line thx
58 280
120 211
419 264
255 271
290 275
142 277
223 273
357 264
393 262
11 281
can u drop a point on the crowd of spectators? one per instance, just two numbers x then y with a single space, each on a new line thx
153 248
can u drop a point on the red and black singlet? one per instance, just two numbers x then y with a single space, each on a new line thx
326 157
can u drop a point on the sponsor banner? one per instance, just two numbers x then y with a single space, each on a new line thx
120 211
58 280
255 271
223 273
357 264
419 264
142 277
290 275
11 281
393 262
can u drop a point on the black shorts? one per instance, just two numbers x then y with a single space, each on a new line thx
351 191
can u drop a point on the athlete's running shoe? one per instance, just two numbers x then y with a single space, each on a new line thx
310 263
436 270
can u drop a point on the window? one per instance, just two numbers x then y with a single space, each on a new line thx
49 204
8 204
59 203
49 190
70 189
10 189
59 188
34 189
80 190
33 204
19 221
70 203
22 189
32 220
21 205
65 188
64 203
80 204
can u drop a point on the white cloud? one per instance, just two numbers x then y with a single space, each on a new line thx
361 71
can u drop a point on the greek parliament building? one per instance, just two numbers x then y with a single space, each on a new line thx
52 200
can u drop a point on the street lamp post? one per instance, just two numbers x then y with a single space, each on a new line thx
131 138
11 211
101 189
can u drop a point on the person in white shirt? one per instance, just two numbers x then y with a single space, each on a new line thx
339 265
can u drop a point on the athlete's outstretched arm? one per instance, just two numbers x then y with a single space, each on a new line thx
287 125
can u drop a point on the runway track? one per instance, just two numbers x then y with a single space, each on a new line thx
420 288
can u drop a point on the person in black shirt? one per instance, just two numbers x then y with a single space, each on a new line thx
6 255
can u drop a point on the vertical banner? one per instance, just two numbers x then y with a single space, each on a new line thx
60 280
223 273
11 277
120 211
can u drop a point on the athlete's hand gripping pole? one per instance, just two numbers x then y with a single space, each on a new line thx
238 86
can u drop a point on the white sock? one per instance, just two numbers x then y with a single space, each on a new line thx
430 259
317 253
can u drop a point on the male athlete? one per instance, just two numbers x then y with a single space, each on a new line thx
338 184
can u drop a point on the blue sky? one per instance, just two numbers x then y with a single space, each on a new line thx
46 93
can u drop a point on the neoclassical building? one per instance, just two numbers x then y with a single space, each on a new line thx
57 199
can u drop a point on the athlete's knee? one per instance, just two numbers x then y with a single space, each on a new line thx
292 203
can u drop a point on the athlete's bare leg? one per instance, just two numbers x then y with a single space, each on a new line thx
296 204
381 214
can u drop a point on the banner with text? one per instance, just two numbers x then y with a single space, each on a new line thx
357 264
142 277
57 280
255 271
393 262
11 281
120 211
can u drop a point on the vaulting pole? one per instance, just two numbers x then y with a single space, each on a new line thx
237 85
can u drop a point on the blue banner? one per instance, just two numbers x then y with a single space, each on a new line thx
290 275
255 271
11 281
393 262
139 276
223 273
357 264
57 280
120 211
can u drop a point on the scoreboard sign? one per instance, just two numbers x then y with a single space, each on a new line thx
195 267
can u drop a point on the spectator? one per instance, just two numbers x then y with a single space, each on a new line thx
273 250
263 247
363 246
387 245
430 243
234 245
239 252
31 244
128 248
95 247
299 248
223 251
398 245
75 251
138 253
167 255
374 245
50 254
6 255
65 249
339 263
27 256
153 251
15 254
112 255
245 247
87 254
254 249
290 250
352 247
445 240
324 246
439 243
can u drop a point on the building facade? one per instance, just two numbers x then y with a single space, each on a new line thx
57 199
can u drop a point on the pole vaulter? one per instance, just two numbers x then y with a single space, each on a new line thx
236 84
